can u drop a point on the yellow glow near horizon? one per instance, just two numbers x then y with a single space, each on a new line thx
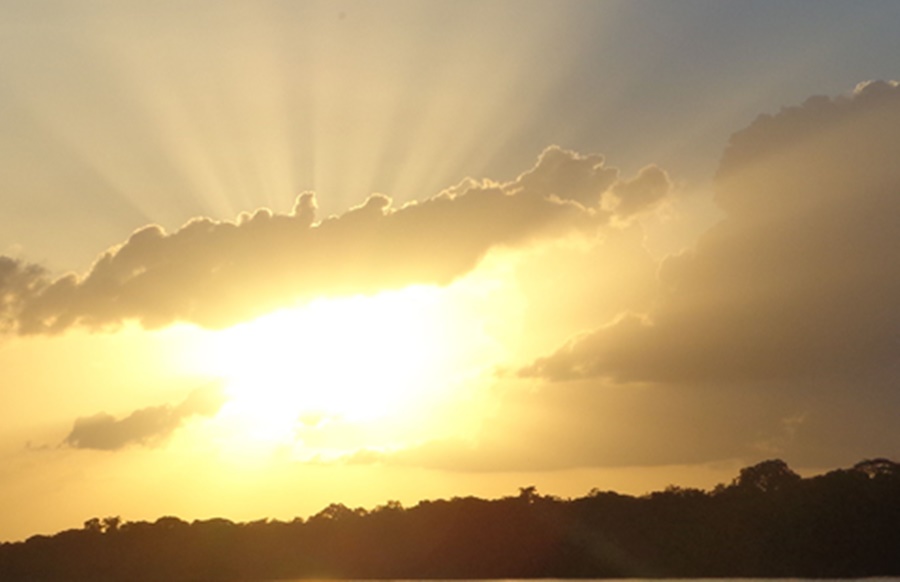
344 374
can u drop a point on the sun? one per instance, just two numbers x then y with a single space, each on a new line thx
344 374
358 358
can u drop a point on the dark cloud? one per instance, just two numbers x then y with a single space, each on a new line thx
219 273
777 335
145 426
800 280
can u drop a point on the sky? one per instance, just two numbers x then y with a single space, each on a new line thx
259 257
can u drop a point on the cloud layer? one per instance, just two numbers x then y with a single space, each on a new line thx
145 426
800 280
776 335
219 273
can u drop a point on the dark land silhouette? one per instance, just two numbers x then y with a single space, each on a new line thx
768 522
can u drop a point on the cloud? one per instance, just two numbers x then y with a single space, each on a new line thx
219 273
776 335
570 287
586 423
800 280
629 198
591 423
145 426
20 282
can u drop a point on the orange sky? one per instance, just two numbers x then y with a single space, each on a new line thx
258 258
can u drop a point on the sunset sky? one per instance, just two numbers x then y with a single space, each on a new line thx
258 257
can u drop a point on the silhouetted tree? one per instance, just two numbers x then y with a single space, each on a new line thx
768 522
765 477
878 468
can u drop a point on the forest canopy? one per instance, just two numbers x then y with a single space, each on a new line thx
767 522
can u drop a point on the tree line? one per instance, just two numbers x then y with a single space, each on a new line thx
768 522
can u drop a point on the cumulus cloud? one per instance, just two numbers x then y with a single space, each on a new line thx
776 335
20 282
629 198
219 273
800 280
145 426
571 287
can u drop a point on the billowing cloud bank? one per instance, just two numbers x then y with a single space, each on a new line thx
776 335
800 280
219 273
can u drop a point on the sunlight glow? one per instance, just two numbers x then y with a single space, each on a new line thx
345 374
333 357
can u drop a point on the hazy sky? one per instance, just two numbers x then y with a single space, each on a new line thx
258 257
